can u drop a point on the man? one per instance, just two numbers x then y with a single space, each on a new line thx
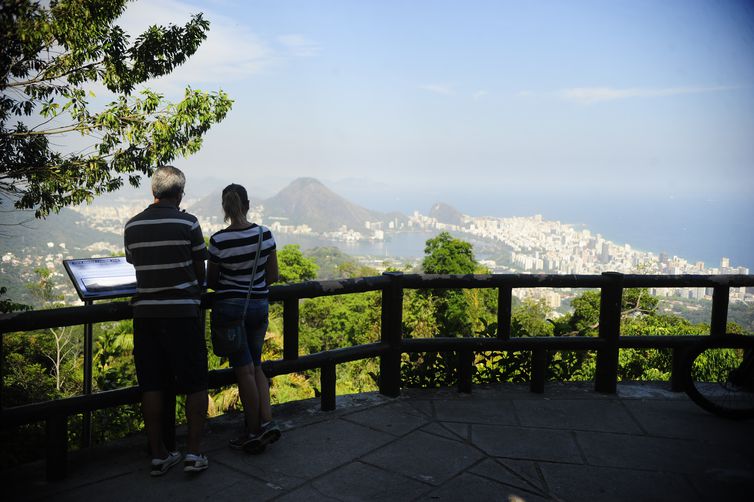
167 249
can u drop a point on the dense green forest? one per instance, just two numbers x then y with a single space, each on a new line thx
48 364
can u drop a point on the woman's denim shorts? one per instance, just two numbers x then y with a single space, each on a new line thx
257 320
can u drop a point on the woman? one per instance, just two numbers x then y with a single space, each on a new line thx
231 258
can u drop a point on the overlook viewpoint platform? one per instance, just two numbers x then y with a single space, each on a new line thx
597 440
501 442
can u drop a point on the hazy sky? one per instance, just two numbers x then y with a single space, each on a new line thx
650 95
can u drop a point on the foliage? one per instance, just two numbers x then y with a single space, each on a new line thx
7 305
713 365
51 57
294 266
445 254
419 315
328 259
331 322
452 312
527 319
530 319
352 269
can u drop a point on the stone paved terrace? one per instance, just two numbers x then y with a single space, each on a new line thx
499 443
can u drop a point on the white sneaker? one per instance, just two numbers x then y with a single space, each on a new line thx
162 465
195 463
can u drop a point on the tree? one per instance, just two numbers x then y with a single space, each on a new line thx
50 59
63 355
445 254
294 266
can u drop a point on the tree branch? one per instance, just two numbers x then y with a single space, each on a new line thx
42 78
58 130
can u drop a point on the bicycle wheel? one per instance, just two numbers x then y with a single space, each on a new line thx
719 375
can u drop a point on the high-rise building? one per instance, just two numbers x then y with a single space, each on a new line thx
725 262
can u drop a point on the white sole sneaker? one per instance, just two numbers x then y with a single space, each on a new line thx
195 463
162 465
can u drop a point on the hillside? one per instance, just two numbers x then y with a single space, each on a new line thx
308 201
446 214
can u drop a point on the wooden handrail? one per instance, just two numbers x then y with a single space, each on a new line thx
392 344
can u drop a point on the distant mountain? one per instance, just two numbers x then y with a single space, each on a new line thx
21 232
445 213
306 200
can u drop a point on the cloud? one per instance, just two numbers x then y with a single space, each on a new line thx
299 45
443 89
588 95
479 94
232 52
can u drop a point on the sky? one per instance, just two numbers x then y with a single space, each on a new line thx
653 96
632 117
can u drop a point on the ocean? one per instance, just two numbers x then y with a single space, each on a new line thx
697 228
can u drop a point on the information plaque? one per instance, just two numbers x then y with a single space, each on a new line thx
100 278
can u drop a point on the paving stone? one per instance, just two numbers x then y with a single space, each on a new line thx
443 430
395 418
576 414
497 412
678 452
358 481
526 469
304 453
648 390
663 454
575 482
526 443
461 431
425 457
222 483
684 419
503 391
435 393
573 390
731 484
472 488
423 406
518 474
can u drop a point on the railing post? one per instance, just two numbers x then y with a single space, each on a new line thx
327 384
719 321
606 377
56 429
290 329
391 327
86 418
504 309
538 370
465 362
676 377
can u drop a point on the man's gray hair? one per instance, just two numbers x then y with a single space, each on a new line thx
168 182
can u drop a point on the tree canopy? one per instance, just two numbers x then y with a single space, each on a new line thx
445 254
51 58
294 266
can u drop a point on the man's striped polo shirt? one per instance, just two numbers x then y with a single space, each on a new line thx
163 243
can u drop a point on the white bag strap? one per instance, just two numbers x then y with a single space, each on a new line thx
253 270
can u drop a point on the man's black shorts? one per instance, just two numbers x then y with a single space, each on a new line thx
170 354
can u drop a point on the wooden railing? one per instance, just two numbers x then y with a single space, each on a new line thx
391 345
